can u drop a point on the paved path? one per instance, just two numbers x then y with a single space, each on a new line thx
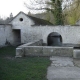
62 68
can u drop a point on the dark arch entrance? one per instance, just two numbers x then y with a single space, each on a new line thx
54 39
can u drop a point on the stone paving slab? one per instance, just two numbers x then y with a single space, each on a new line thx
61 61
63 73
64 79
62 68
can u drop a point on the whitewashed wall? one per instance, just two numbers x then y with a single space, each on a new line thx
6 34
78 22
17 24
2 35
70 34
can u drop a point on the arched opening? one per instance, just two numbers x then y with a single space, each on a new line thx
54 39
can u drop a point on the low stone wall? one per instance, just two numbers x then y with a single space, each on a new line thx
48 51
31 50
35 43
20 50
58 51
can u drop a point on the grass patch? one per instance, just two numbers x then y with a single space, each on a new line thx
7 51
27 68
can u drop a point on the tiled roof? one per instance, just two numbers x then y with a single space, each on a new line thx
37 21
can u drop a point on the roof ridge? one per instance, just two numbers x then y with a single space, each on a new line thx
36 20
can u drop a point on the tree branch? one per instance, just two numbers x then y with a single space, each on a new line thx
35 8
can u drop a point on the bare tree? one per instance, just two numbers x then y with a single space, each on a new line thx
55 6
72 13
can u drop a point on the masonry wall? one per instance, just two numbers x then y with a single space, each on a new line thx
29 33
78 22
21 29
70 34
18 24
6 35
36 49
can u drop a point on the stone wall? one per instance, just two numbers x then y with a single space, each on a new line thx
48 51
33 49
35 43
2 36
21 24
29 33
70 34
20 50
78 22
6 35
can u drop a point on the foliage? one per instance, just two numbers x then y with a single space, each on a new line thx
72 13
55 6
27 68
57 11
7 20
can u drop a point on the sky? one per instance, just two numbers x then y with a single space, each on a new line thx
12 6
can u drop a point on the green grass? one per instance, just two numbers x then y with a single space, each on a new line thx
27 68
7 51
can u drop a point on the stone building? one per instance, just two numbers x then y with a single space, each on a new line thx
24 28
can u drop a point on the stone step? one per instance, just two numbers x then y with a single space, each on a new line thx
76 53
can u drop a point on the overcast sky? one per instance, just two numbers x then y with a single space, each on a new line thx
12 6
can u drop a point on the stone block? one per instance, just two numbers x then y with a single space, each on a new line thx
48 51
66 51
76 53
58 51
33 50
19 52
